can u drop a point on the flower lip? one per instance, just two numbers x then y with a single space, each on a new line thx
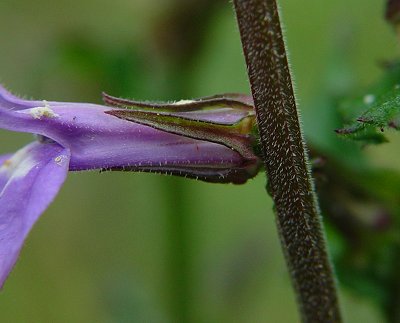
11 102
29 180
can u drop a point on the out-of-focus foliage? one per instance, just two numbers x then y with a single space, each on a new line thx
362 208
374 111
361 202
125 247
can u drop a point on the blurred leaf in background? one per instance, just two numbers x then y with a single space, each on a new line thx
138 247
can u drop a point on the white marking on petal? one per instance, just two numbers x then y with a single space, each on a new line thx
19 165
59 160
45 111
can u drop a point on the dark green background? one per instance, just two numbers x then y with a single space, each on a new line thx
121 247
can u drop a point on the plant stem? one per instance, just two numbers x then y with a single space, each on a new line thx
286 161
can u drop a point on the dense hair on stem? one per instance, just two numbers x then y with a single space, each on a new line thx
286 161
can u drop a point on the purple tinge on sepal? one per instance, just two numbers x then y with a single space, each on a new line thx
29 180
100 141
225 120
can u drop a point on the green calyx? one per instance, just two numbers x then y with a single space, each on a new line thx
207 119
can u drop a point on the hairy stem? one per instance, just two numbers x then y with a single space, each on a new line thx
286 161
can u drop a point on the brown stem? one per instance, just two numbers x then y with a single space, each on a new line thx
286 161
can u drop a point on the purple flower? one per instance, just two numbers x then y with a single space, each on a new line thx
209 139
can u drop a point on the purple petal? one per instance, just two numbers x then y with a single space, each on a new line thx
29 181
3 179
12 102
98 140
3 158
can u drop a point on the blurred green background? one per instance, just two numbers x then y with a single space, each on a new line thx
125 247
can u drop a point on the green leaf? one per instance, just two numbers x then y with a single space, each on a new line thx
370 114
